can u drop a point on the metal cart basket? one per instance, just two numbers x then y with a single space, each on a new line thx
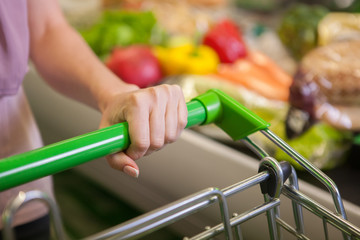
275 179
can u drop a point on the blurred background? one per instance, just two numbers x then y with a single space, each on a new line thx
294 63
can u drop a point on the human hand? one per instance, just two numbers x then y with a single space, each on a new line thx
156 116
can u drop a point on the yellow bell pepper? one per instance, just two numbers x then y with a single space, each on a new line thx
187 59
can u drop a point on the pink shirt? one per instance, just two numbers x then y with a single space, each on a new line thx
19 132
14 45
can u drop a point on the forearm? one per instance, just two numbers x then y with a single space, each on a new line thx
66 62
156 116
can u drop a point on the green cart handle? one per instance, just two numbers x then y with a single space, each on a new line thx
212 107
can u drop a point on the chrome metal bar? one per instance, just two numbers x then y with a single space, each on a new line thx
245 184
255 147
334 219
167 215
297 209
224 214
23 198
271 217
291 230
153 216
235 221
325 229
317 173
277 215
177 210
247 215
238 232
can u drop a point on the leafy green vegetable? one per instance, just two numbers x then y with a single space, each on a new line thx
322 145
119 28
298 28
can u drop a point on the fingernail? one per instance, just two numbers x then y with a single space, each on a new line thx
133 172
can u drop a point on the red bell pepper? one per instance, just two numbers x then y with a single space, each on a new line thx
226 39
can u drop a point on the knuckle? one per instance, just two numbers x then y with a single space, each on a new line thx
135 99
171 88
177 88
157 143
141 146
154 95
171 136
183 121
153 91
135 155
167 89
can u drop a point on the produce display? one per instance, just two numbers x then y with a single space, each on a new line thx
187 59
119 28
298 28
225 38
327 85
136 64
216 45
338 26
258 73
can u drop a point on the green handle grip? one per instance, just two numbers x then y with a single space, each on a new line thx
211 107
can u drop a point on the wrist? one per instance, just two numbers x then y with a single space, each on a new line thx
110 92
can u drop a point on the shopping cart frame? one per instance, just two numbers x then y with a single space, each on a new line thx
211 107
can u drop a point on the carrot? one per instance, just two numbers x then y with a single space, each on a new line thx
254 78
267 64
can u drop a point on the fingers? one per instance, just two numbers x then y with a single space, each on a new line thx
157 125
183 114
139 130
156 116
162 117
176 116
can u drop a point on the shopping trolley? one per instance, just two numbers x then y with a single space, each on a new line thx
275 179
